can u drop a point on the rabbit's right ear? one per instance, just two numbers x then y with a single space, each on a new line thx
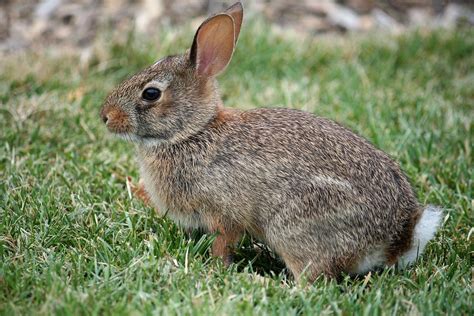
213 45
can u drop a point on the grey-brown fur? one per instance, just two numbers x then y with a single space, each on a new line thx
315 192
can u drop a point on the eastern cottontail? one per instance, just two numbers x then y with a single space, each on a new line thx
323 198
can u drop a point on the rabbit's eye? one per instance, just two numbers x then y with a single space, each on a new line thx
151 94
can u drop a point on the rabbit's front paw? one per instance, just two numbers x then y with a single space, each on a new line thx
223 246
139 191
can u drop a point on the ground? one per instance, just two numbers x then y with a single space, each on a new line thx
74 241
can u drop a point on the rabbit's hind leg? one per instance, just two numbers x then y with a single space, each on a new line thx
309 270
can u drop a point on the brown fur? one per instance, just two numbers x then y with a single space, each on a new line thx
314 191
118 119
402 242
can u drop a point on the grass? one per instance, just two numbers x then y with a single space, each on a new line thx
72 241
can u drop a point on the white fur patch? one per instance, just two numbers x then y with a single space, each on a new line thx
325 180
147 142
425 230
373 259
192 220
149 184
151 142
161 84
159 61
129 137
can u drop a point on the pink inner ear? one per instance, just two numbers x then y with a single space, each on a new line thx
215 45
206 59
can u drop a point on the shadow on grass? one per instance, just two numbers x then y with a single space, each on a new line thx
260 259
251 255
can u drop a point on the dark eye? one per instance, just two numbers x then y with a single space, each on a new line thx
151 94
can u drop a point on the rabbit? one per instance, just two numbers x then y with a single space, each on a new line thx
323 198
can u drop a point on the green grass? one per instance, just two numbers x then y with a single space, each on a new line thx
72 241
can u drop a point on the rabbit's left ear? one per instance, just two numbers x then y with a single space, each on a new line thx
236 11
213 45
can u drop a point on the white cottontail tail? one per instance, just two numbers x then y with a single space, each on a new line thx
323 198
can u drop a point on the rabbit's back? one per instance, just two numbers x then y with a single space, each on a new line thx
293 152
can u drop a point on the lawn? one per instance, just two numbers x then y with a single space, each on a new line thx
74 241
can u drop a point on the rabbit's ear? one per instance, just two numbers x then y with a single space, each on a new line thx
236 11
213 45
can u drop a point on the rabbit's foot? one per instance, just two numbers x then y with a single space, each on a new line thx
223 246
139 191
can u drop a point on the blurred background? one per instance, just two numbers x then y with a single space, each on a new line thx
28 24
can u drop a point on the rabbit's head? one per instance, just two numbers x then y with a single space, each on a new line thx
177 96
